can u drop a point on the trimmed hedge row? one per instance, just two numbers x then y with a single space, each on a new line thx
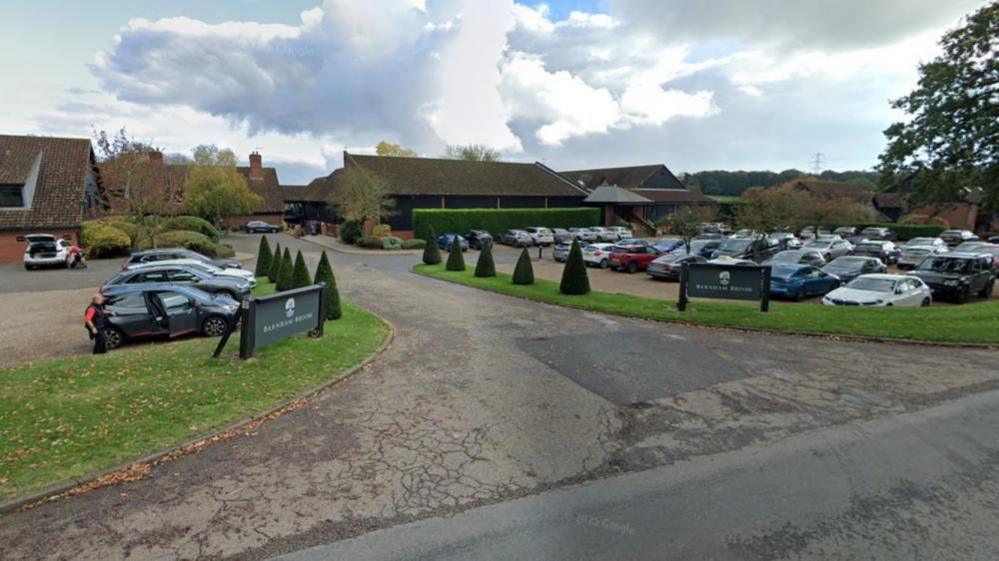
192 224
498 221
102 240
190 240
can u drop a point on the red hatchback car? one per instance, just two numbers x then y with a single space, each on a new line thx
633 258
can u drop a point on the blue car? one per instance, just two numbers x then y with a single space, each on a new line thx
444 241
797 282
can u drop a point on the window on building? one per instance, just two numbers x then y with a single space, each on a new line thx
11 196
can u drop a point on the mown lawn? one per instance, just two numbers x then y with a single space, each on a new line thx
971 323
67 418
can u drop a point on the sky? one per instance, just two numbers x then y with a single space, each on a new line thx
693 84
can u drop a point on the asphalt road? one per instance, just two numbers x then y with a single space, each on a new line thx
484 399
916 486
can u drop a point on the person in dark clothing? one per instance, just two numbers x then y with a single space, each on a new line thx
96 321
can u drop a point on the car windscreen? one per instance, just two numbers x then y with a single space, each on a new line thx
818 244
737 245
869 247
873 284
946 265
847 262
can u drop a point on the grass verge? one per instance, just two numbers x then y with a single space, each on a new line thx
972 323
70 417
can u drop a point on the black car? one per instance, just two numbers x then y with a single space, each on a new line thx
850 267
261 227
797 257
957 275
236 288
171 253
884 250
158 311
743 248
477 237
957 237
669 266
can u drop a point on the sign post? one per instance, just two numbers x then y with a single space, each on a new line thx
727 282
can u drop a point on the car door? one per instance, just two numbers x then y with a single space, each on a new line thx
132 315
181 312
912 294
180 276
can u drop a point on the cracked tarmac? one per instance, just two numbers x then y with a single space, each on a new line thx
457 414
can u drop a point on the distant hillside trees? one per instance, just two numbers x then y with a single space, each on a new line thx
734 183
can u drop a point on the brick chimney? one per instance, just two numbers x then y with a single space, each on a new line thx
256 165
156 157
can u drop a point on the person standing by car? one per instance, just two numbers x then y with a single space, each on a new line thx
74 259
96 321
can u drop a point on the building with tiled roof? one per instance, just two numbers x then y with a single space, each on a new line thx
47 185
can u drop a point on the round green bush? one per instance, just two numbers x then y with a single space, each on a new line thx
391 243
185 239
123 223
370 242
351 231
381 230
101 240
192 224
414 244
224 251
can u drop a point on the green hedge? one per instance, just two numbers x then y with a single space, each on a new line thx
906 232
498 221
123 223
192 224
102 240
414 243
189 240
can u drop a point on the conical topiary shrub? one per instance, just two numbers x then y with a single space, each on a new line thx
455 260
574 278
485 267
432 253
274 273
324 274
287 270
300 274
263 258
523 273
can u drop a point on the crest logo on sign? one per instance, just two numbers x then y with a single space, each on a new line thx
724 278
289 307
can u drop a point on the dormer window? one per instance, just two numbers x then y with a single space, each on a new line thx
11 196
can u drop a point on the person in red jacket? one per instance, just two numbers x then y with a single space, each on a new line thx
74 259
96 321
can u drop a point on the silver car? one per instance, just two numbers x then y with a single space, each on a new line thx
583 234
540 235
830 248
622 232
604 234
912 256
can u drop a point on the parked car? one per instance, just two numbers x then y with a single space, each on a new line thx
703 247
711 236
786 240
970 247
742 234
560 252
604 234
726 260
516 238
877 233
445 240
798 282
666 245
233 287
669 266
957 237
45 250
632 258
797 257
957 275
208 267
632 242
142 311
540 236
994 239
742 248
597 254
261 227
583 234
622 232
881 291
173 253
845 231
830 248
562 235
476 238
911 257
884 250
850 267
993 251
932 242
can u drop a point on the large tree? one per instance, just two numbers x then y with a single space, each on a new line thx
215 189
388 149
361 196
950 140
471 152
686 222
766 210
137 188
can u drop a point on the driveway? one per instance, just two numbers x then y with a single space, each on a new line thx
476 403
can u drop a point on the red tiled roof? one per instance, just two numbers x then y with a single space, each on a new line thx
61 185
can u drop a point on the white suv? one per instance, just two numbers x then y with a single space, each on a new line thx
541 236
605 234
597 254
622 232
45 250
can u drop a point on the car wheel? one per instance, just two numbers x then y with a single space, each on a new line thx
604 264
962 295
925 303
28 267
113 338
214 326
987 291
632 267
799 295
